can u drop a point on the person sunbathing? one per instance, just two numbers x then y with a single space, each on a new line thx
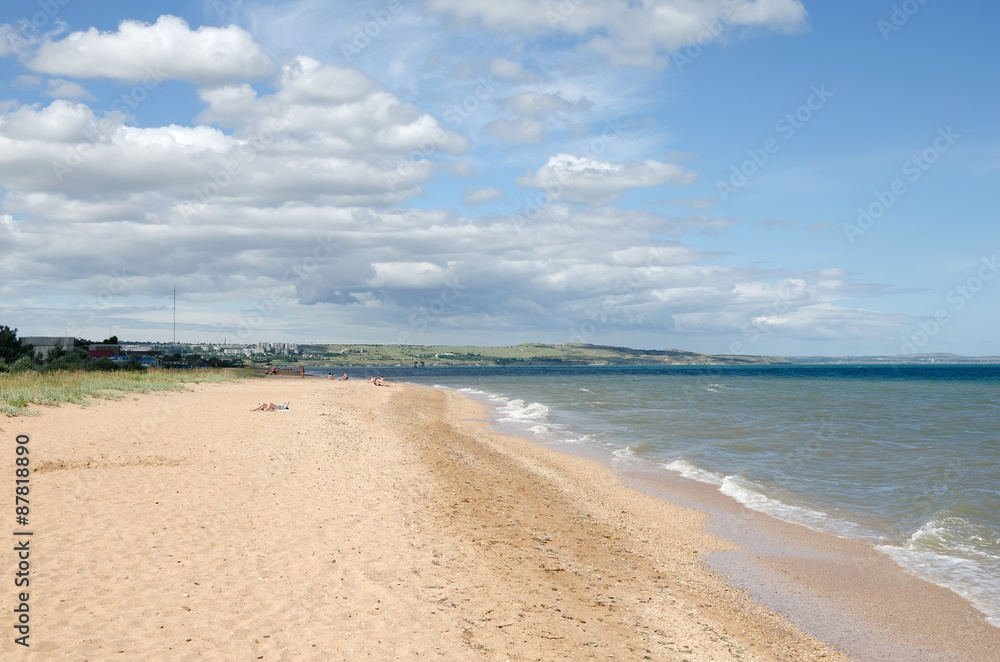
270 406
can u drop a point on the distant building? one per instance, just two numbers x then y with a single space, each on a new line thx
150 362
42 345
102 351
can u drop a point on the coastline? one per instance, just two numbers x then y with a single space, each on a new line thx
840 589
391 523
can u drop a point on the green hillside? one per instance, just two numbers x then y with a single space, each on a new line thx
524 354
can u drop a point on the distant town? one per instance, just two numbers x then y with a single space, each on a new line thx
261 349
225 354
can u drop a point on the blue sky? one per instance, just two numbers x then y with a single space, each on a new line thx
655 174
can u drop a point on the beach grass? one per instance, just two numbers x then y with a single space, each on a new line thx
18 390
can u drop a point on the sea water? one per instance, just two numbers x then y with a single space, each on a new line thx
906 457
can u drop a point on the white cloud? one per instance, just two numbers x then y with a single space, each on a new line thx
637 33
165 49
312 166
750 308
473 196
461 167
523 130
327 135
408 275
26 81
508 69
810 321
14 42
586 180
534 103
58 88
308 81
376 271
333 111
59 122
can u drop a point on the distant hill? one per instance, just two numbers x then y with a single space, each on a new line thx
523 354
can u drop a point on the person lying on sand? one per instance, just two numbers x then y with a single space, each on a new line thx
270 406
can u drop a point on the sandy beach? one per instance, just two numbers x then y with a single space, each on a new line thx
392 523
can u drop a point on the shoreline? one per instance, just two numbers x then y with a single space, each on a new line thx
388 523
840 589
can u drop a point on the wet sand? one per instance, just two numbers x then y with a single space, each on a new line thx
842 590
370 523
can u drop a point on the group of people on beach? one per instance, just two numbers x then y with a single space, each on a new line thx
275 370
270 406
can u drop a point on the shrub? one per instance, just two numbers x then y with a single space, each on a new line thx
22 364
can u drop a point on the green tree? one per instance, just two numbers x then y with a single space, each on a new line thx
113 340
74 359
10 347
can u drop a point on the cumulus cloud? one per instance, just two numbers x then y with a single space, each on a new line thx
389 270
522 130
588 181
308 81
340 111
59 122
635 33
282 200
167 49
354 144
473 196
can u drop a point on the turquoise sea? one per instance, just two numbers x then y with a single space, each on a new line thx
907 457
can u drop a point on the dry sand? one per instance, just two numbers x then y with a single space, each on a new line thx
366 523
